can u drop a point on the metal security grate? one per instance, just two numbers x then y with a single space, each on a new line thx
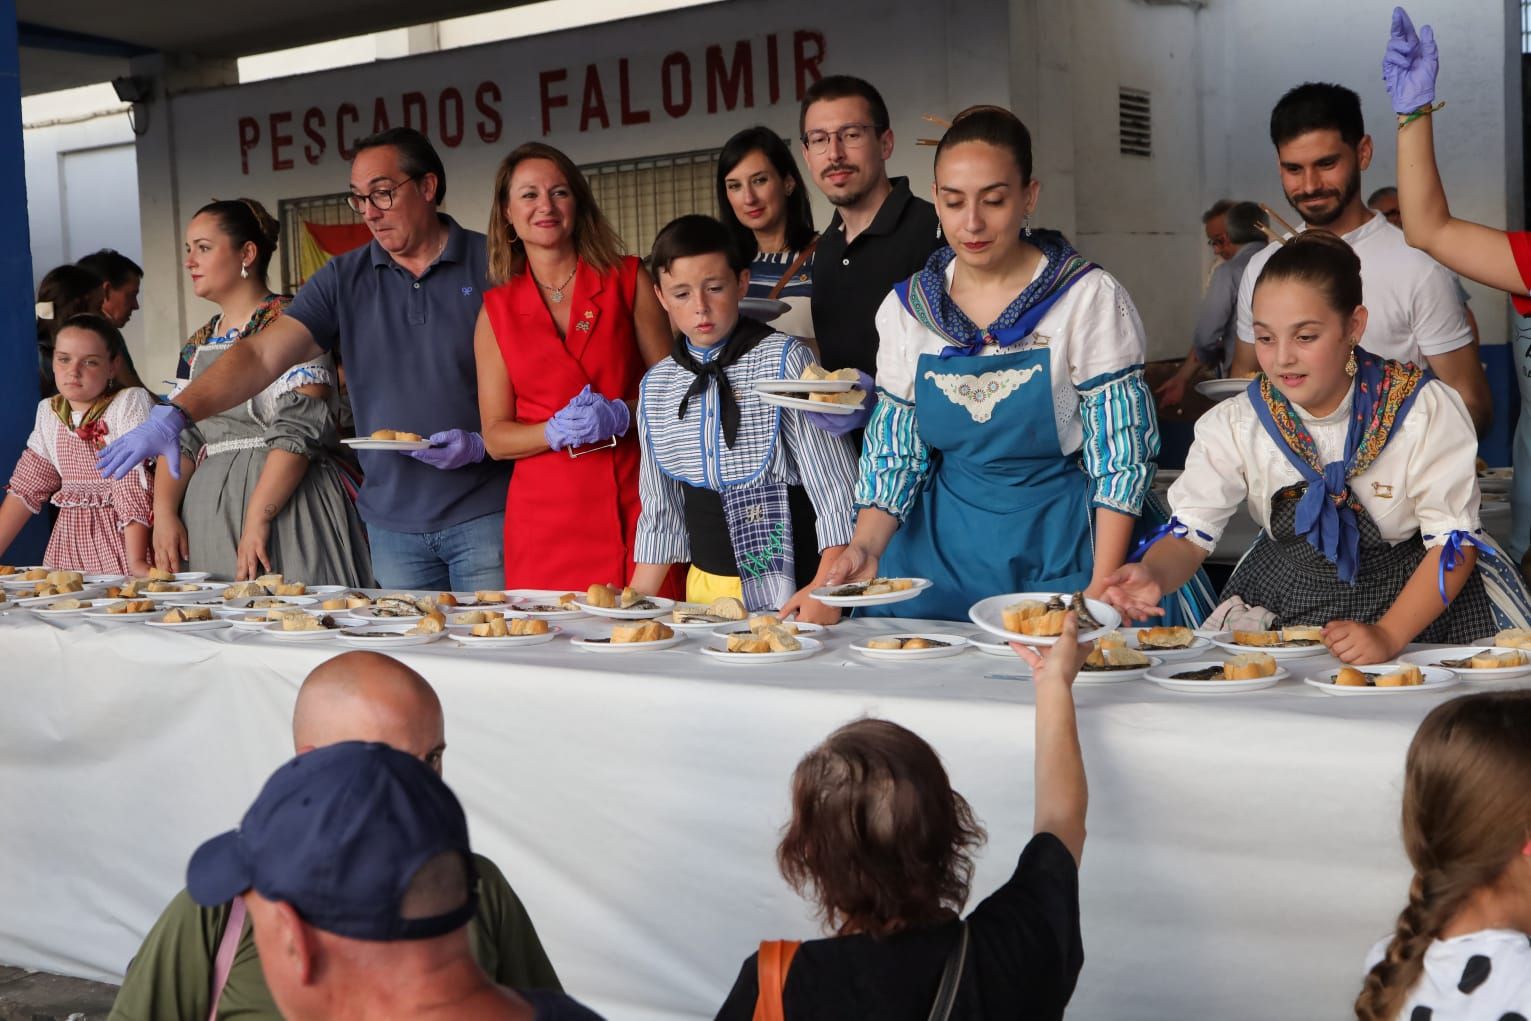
1135 126
640 196
290 213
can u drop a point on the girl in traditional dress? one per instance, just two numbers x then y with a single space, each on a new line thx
103 526
1017 455
259 489
1360 472
1460 950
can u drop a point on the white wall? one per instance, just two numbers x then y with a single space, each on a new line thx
82 193
900 57
1213 73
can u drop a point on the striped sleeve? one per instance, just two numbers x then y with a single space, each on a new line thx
824 463
1121 438
661 536
894 459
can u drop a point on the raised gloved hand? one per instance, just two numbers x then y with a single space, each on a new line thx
451 449
159 436
1409 64
839 425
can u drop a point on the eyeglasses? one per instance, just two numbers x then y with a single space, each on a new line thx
1214 242
852 136
381 198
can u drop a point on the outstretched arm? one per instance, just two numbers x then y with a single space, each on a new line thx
1062 795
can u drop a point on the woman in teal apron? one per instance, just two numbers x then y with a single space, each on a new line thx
1017 456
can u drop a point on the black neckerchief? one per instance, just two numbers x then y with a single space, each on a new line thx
747 333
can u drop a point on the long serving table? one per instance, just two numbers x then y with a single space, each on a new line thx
1243 850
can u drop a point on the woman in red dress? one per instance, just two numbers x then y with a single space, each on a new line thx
561 344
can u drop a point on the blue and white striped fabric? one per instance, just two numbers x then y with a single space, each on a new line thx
1121 438
895 460
773 444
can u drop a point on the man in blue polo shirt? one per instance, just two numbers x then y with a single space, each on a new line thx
400 314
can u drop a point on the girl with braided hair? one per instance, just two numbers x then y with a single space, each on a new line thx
1460 950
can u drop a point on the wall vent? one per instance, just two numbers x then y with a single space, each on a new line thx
1135 127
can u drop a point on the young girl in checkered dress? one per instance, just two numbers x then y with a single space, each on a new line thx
1361 473
103 526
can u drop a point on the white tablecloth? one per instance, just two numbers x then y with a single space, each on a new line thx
1242 850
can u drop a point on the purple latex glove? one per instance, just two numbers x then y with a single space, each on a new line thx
452 449
1410 64
571 420
839 425
594 423
159 436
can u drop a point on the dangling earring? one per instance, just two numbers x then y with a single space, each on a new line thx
1350 364
244 272
513 236
1026 225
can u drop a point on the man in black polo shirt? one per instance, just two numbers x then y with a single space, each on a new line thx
880 233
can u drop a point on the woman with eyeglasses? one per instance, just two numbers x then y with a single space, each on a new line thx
259 491
763 202
568 328
1011 446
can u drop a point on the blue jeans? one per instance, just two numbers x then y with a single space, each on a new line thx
461 558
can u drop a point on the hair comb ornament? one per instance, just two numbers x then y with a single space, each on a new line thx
44 309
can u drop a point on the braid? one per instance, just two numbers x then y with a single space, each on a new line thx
1388 983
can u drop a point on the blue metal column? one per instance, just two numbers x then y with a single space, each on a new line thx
18 325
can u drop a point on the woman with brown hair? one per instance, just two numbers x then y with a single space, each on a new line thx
561 344
882 843
1460 949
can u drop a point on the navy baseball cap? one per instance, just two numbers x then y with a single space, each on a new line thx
338 833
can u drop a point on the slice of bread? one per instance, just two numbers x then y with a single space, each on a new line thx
885 643
640 631
630 597
492 627
1350 677
1016 614
1165 638
780 639
1407 676
1514 638
529 626
747 644
1498 660
1302 633
726 607
602 596
1049 624
1248 666
1257 638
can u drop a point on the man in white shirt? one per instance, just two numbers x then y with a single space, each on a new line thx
1414 313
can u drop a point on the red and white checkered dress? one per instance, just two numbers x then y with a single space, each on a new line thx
59 466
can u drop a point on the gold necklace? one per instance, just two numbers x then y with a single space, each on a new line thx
555 294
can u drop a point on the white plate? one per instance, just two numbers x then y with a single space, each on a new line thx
541 597
1224 640
1496 480
370 613
1165 679
661 607
1197 647
44 609
1433 657
384 637
702 626
989 645
105 579
328 590
190 625
239 606
193 576
98 612
803 404
240 624
717 648
823 594
989 615
1435 679
1222 389
764 309
664 643
273 629
13 581
739 627
366 443
454 613
955 644
804 386
88 592
205 592
469 641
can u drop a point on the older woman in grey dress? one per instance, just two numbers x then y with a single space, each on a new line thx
259 490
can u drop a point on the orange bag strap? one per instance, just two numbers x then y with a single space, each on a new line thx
774 959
